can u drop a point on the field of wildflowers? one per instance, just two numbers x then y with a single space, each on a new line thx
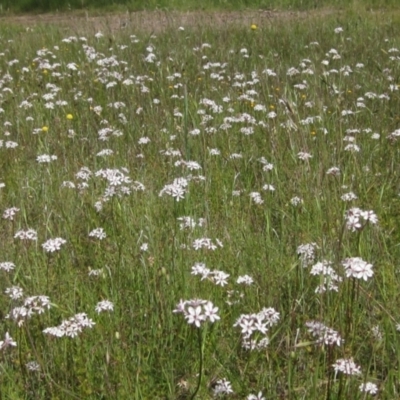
205 212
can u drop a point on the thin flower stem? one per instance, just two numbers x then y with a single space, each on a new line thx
340 386
201 349
187 150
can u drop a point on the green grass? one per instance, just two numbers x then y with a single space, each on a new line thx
188 5
142 349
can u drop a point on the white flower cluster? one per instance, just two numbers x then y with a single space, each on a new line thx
304 156
7 266
330 277
190 165
14 292
104 305
356 267
258 396
267 166
45 158
260 322
177 189
256 197
114 177
105 133
369 388
71 327
7 342
206 243
268 187
8 144
52 245
334 171
84 174
349 197
324 334
118 183
105 153
29 234
32 366
215 276
222 387
394 135
10 213
245 280
296 201
34 305
356 219
197 311
190 223
306 253
346 366
98 233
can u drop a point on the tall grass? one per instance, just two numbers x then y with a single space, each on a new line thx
187 5
132 105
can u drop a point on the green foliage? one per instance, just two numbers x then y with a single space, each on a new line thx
136 5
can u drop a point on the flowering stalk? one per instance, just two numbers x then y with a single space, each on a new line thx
201 350
185 123
197 312
340 243
350 303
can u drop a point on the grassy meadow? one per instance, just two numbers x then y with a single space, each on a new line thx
207 211
17 6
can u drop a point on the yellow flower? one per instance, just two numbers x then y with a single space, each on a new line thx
70 116
253 27
45 128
